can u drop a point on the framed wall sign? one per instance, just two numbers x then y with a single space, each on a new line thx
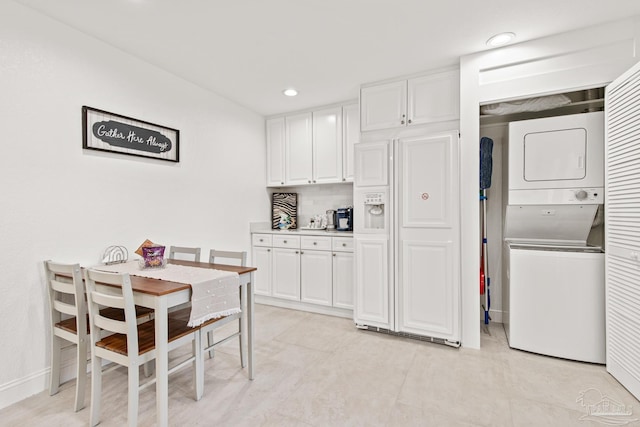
104 131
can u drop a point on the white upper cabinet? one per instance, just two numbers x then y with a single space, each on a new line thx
327 146
312 147
275 151
383 106
298 149
350 137
433 98
420 100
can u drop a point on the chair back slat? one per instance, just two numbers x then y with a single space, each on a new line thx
108 300
63 287
174 250
111 325
65 308
239 257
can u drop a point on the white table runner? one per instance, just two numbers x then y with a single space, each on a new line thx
215 293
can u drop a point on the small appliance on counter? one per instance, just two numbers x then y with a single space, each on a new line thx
331 220
344 219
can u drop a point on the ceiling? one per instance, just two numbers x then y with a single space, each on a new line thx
250 50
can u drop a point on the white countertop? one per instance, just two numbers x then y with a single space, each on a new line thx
264 229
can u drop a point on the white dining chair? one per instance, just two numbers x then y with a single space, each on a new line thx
127 335
70 325
233 258
183 250
66 299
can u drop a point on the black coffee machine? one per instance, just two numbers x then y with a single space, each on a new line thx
344 219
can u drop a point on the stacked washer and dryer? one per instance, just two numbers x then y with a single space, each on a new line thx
553 281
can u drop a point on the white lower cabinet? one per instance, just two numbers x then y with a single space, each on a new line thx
262 260
343 280
286 273
310 269
316 277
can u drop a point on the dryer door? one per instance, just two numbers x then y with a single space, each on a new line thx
557 152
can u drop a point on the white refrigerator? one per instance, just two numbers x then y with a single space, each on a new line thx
406 215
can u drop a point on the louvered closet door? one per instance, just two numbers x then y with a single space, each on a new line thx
622 207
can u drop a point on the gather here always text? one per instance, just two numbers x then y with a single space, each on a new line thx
130 137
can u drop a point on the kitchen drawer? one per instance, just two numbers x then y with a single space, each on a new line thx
286 242
342 244
261 240
316 242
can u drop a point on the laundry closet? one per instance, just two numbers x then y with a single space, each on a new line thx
545 222
604 56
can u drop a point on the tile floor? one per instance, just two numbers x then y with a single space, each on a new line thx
315 370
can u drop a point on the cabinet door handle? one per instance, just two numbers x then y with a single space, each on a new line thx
402 122
409 121
315 243
262 240
268 250
309 181
282 182
334 254
344 245
284 241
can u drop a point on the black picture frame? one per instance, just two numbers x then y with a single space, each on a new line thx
111 132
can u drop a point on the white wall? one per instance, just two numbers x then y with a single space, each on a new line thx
60 202
574 60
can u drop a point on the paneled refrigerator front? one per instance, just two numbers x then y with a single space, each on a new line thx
406 236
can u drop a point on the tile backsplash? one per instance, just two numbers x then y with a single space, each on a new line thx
316 199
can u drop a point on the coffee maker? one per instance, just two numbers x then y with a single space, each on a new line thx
344 219
331 220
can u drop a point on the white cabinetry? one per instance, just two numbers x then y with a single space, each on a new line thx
312 147
383 106
305 271
343 272
420 100
350 137
327 146
286 267
262 259
298 149
315 270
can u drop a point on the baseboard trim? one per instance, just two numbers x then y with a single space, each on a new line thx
22 388
298 305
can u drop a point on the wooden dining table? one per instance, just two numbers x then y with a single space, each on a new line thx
161 295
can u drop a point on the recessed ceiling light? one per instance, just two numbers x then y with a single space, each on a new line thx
290 92
500 39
